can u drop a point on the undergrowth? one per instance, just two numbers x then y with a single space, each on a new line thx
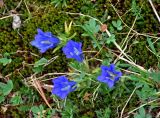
114 64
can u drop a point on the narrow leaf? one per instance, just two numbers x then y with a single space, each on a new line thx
151 45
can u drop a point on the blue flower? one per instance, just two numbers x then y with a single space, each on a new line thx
62 87
109 75
73 50
44 41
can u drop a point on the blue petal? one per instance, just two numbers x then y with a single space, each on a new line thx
63 95
112 67
62 87
60 79
40 31
44 37
73 50
102 79
42 50
48 34
110 83
34 43
117 78
109 75
59 93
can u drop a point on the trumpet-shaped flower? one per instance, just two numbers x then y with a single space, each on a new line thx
109 75
44 41
73 50
62 87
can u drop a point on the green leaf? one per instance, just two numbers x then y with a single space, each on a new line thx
41 107
77 66
6 88
64 39
155 76
38 69
107 113
103 113
50 113
111 29
146 92
16 100
111 39
2 98
2 85
136 10
138 80
142 114
5 61
151 45
69 110
91 28
35 109
114 23
59 3
142 111
119 28
41 62
39 65
117 24
148 116
6 54
23 108
138 116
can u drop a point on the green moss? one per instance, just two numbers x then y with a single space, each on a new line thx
143 56
48 19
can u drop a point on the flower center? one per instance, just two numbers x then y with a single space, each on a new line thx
66 88
112 75
46 42
76 51
71 53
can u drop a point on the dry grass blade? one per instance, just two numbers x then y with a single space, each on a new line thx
150 1
38 87
128 102
155 100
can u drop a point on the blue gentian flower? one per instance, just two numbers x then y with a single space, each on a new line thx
44 41
109 75
62 87
73 50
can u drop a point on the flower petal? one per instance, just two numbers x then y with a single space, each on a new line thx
109 75
44 41
73 50
62 87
